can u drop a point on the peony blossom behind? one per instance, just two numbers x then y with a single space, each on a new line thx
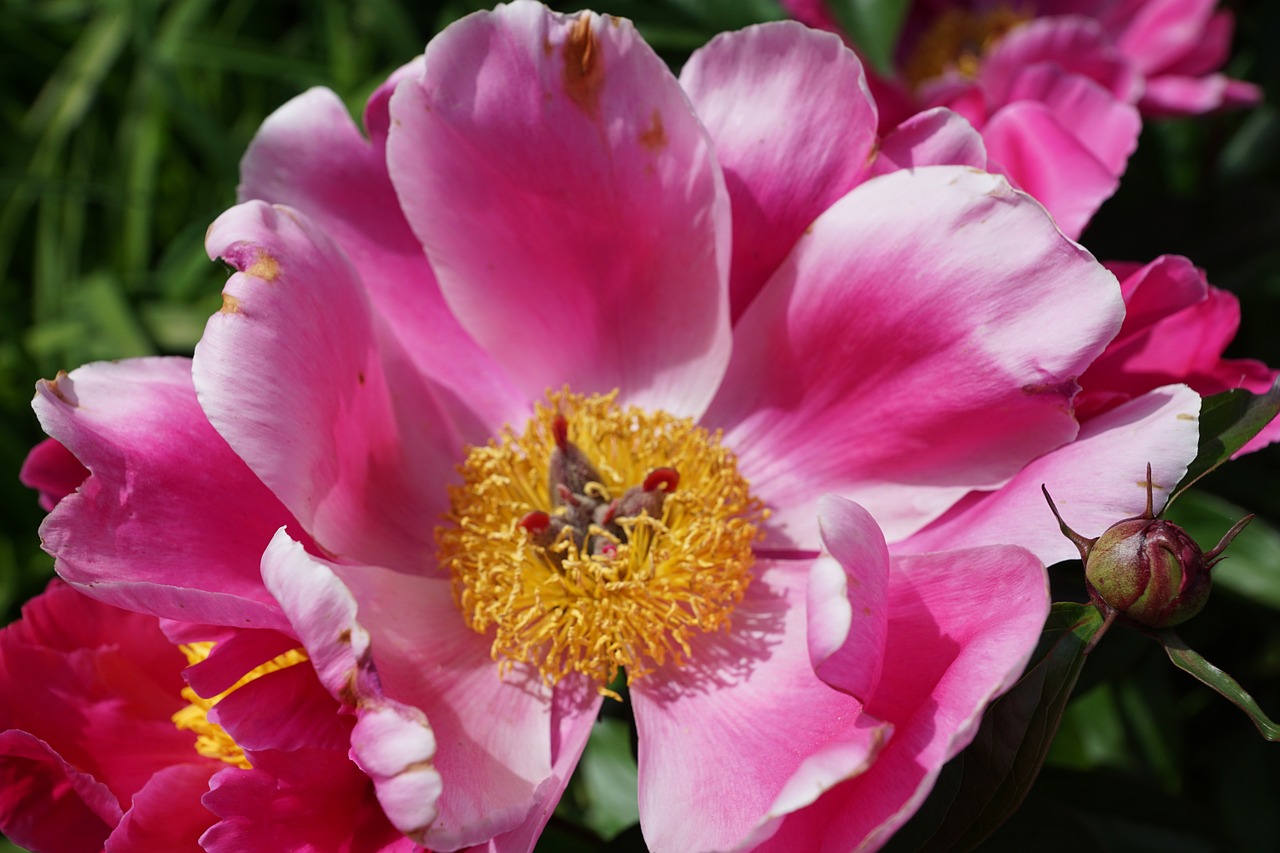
545 240
1057 87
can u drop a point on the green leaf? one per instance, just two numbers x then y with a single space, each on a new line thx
998 768
1188 660
1252 567
607 777
873 25
1227 422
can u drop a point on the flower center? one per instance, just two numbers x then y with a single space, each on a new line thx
958 40
602 538
212 741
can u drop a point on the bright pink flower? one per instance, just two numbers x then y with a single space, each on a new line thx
1055 86
789 315
92 758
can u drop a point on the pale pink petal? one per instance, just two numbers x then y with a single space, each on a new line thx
1171 95
310 800
1108 128
554 170
902 366
53 471
310 156
1040 155
794 129
166 815
745 732
948 653
935 137
171 522
1096 480
392 741
290 374
47 803
846 599
1078 45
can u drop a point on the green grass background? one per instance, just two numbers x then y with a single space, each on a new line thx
123 123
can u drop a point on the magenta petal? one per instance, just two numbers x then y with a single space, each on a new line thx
1076 44
745 733
948 653
1173 95
48 804
900 364
151 528
794 129
53 471
1096 480
392 742
166 815
290 374
935 137
551 165
848 612
310 156
310 800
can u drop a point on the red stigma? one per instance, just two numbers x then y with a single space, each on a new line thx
560 429
667 478
536 522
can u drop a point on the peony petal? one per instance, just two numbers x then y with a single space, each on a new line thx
1163 31
289 372
552 166
1106 127
901 366
170 522
715 771
311 800
166 815
935 137
1095 481
1172 95
1076 44
948 653
310 156
794 129
286 710
392 742
47 803
53 471
846 599
1029 145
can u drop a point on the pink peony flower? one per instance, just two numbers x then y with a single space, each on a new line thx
1056 86
103 748
549 377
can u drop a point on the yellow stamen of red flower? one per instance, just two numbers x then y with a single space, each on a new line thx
212 741
578 574
958 40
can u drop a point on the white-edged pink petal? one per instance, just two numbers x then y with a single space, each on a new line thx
922 339
794 129
170 522
746 732
962 626
392 741
934 137
310 156
570 204
290 373
1096 480
847 606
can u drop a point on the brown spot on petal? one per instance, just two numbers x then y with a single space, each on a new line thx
1183 416
348 695
654 136
1062 388
58 391
264 267
230 305
583 66
344 636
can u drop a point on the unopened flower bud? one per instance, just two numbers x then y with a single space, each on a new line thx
1146 569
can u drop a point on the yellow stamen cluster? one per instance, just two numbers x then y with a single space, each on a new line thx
212 741
637 605
958 40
